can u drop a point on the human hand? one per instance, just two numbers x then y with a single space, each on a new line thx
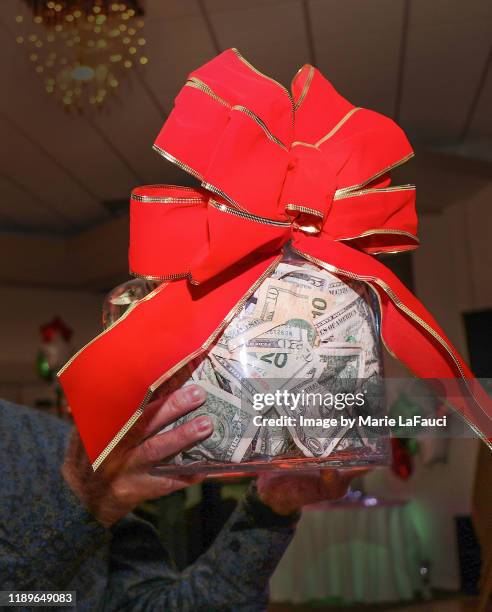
287 493
126 478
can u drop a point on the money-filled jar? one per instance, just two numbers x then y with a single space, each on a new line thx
294 381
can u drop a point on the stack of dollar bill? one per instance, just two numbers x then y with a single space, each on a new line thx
303 330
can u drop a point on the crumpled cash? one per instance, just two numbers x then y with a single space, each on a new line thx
303 331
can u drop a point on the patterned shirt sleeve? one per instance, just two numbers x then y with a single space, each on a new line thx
45 533
48 541
232 575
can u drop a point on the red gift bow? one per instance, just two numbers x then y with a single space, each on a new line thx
274 166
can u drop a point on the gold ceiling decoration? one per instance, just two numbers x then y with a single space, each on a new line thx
82 49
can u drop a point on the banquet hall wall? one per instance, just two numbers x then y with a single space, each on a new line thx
451 273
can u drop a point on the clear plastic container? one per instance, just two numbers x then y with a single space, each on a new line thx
303 334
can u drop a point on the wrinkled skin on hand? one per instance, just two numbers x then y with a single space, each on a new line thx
286 493
126 478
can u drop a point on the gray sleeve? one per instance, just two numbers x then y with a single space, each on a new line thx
49 541
232 575
46 535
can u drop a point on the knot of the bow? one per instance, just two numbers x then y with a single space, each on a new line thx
309 187
264 176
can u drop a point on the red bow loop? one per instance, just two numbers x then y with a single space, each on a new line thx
233 135
375 220
168 224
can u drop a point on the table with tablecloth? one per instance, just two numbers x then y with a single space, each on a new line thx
352 552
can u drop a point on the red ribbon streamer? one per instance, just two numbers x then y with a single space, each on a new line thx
274 166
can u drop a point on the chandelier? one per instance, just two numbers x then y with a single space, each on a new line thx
82 49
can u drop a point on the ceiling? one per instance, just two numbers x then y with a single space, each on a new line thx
425 63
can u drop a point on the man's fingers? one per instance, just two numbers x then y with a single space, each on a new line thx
162 446
347 475
160 413
335 483
161 470
151 486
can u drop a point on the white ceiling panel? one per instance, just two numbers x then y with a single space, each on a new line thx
174 49
443 66
272 36
442 12
166 97
40 175
178 39
215 6
171 9
358 47
133 135
166 77
24 209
